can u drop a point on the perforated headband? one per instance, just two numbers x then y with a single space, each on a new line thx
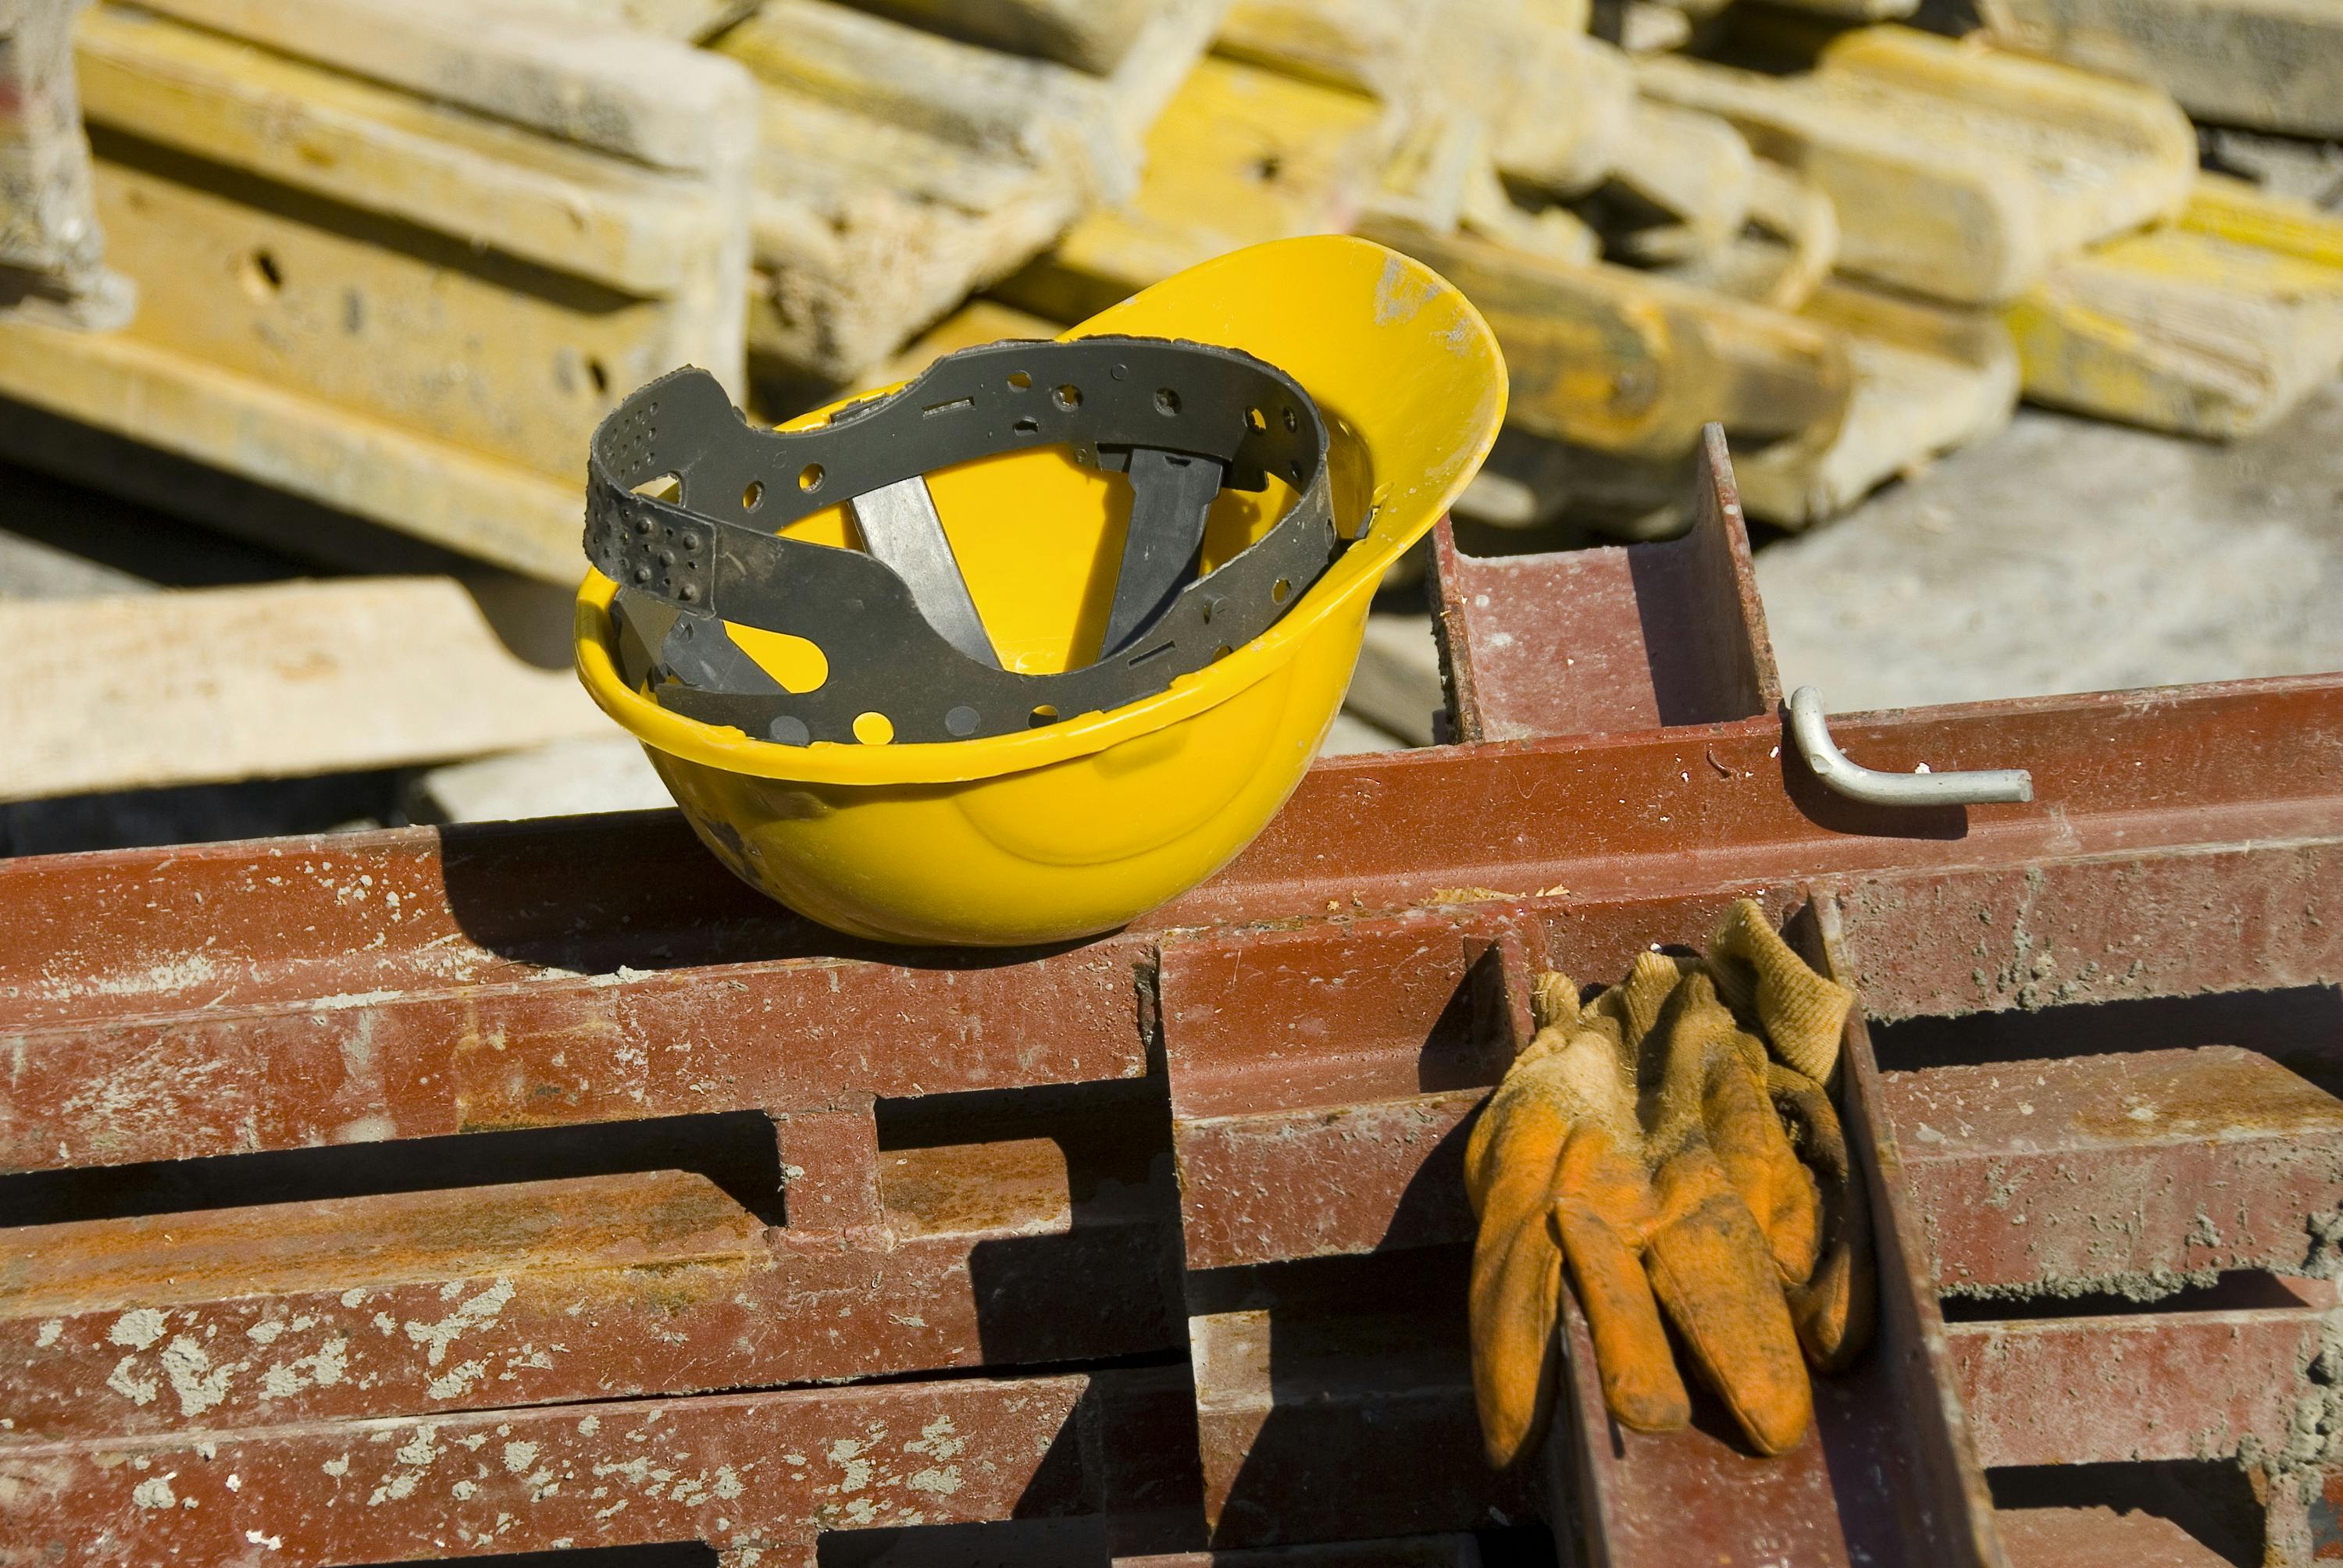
897 627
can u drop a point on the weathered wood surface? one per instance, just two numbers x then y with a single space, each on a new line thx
612 89
1957 173
1092 36
497 512
1241 156
285 679
1924 378
901 170
1625 362
2271 65
387 304
2215 327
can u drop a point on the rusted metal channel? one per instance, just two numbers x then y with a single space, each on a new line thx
1218 1154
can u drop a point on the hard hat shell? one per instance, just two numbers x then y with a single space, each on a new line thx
1078 826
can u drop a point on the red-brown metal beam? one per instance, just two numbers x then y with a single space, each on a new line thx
2130 1173
2155 1386
759 1470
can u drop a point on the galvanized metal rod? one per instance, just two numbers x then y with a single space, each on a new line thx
900 526
1842 775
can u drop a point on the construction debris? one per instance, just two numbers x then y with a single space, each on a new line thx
282 681
1957 173
2271 65
402 309
899 169
2212 326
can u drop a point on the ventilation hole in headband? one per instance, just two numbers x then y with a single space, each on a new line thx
1294 469
1293 421
1221 652
753 497
1280 591
1069 397
809 477
1029 427
961 721
1253 417
1166 400
1045 714
662 487
1018 381
873 729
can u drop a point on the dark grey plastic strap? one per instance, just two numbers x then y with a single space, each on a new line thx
1183 419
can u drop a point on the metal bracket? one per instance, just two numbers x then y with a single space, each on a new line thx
1842 775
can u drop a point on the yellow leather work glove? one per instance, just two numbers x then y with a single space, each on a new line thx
1648 1138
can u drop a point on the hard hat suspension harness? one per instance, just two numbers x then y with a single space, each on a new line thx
897 625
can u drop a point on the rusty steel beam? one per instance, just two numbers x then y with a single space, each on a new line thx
596 1288
1322 1050
275 996
2131 1173
2161 1385
756 1470
1667 633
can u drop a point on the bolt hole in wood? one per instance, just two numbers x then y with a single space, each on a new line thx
598 374
735 1150
261 275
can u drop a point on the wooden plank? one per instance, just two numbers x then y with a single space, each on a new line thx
1926 379
2215 326
493 511
1626 362
903 169
1243 155
394 323
1957 173
1092 36
685 21
389 152
284 679
2271 65
617 90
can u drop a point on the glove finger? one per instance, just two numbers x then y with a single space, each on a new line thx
1834 1311
1509 1158
1515 1286
1747 1137
1712 1270
1801 1011
1603 1210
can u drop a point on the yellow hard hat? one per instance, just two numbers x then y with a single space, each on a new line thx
1077 825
